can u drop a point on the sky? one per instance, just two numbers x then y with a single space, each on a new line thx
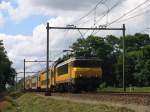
23 25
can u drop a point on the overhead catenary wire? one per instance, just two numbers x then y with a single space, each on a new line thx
107 12
94 9
143 31
137 15
138 6
119 19
30 68
101 1
81 34
104 14
142 8
41 66
58 54
92 18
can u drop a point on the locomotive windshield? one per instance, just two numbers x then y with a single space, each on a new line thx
86 63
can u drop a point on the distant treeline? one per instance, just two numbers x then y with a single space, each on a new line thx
7 73
109 50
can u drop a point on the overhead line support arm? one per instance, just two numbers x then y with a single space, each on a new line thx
76 28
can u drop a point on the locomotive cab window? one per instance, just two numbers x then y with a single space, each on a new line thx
62 69
86 63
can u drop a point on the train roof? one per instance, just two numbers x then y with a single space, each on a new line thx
57 64
76 58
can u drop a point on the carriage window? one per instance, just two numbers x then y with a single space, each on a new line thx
86 63
62 69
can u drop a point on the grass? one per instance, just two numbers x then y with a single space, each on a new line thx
128 89
9 103
31 102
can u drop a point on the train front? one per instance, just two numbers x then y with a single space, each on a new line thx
87 73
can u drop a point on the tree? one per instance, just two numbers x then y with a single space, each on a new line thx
142 68
109 50
7 73
94 46
143 75
137 53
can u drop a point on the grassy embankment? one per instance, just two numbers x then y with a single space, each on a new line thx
34 103
9 103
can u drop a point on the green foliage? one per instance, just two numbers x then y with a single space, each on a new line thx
135 42
9 104
7 73
142 74
37 103
109 50
16 95
102 86
92 46
137 52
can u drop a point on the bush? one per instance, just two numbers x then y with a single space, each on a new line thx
8 99
102 86
16 94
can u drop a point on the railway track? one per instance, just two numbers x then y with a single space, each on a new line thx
107 93
127 94
127 98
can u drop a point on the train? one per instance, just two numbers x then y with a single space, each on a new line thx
73 75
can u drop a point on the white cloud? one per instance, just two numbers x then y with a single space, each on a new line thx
75 8
26 8
32 47
62 13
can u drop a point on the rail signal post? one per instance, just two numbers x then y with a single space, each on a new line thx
72 27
